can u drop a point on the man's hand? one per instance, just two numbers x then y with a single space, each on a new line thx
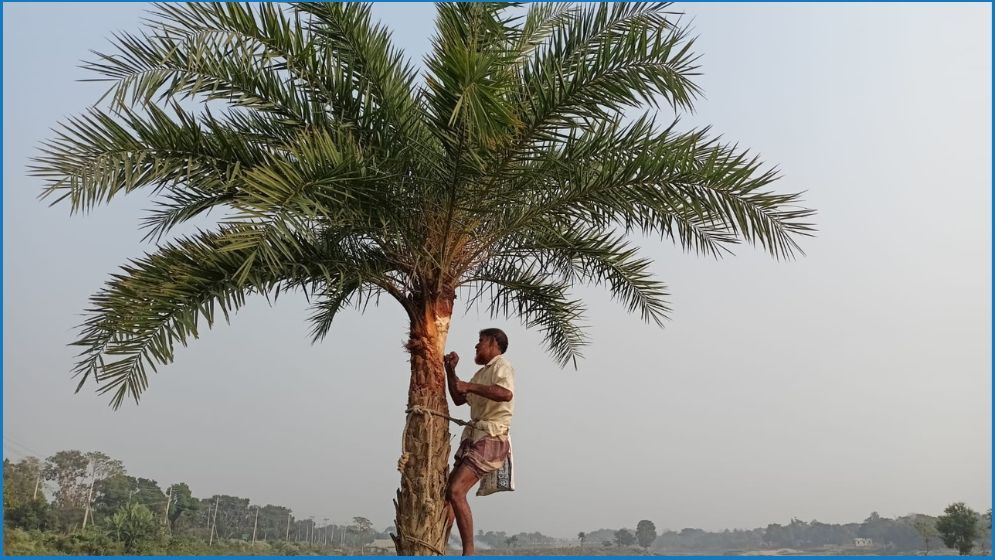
457 388
450 360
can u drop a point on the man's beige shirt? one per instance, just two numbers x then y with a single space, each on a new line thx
491 418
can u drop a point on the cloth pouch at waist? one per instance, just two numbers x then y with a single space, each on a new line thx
501 480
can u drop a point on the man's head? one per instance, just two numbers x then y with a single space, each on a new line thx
492 342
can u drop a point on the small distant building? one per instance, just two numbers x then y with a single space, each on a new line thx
862 542
380 547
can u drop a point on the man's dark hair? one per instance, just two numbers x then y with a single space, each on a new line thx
499 336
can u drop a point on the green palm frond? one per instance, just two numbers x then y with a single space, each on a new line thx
371 274
684 186
470 84
98 155
331 302
228 52
267 60
378 76
158 301
592 256
540 300
179 204
153 304
542 20
611 57
200 165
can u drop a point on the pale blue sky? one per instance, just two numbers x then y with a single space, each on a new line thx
855 379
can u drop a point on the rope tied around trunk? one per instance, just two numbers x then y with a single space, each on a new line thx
416 540
419 409
405 455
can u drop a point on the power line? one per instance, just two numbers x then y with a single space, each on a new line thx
16 455
20 448
21 445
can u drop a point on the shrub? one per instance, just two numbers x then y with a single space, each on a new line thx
136 527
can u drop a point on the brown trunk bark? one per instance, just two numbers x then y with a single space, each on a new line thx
424 463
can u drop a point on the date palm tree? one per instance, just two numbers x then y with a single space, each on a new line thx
509 171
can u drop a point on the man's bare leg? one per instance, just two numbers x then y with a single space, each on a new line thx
450 517
462 479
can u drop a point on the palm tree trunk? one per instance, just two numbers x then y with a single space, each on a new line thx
424 463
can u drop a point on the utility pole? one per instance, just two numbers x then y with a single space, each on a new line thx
214 524
288 525
169 498
254 525
89 494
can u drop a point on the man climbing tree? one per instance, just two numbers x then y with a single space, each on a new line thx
485 445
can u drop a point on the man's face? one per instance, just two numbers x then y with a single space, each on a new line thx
486 349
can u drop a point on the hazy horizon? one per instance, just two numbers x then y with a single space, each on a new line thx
856 378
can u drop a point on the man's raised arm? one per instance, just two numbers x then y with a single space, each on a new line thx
449 361
492 392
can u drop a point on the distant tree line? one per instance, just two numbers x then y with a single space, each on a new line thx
87 503
959 528
91 497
